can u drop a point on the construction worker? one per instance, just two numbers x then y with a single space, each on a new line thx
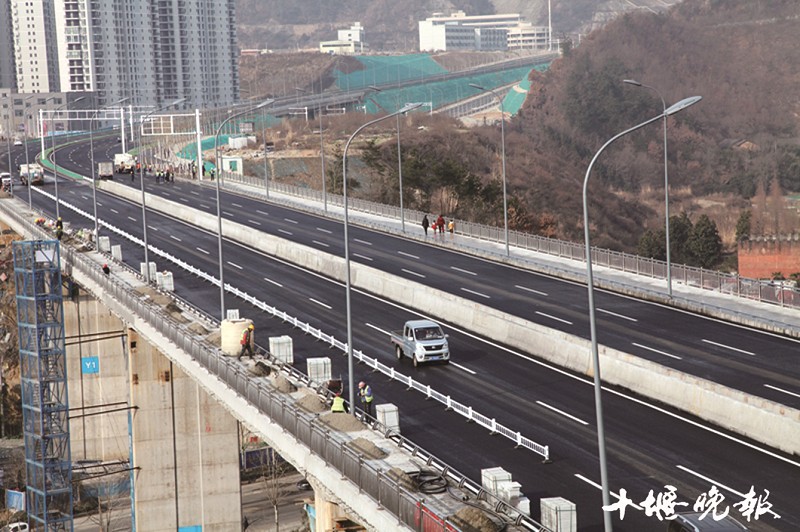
339 404
247 337
365 392
60 223
106 269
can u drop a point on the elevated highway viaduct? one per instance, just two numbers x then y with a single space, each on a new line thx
511 386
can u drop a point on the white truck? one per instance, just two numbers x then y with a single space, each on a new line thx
31 172
105 170
124 163
423 341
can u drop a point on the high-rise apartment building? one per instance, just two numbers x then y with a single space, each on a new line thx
151 51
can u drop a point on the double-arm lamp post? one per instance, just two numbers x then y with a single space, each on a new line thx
141 179
503 144
27 164
405 109
666 178
91 152
53 134
218 177
8 132
683 104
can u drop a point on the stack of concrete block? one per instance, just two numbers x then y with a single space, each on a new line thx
281 348
497 481
389 416
492 476
319 369
165 281
559 514
143 270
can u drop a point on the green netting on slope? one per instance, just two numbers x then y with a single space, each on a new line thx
380 70
207 144
441 92
516 96
259 123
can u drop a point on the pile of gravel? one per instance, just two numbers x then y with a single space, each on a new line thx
367 449
469 519
312 403
341 421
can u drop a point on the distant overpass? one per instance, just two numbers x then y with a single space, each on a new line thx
331 100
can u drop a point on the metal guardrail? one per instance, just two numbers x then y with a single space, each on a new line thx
408 507
725 283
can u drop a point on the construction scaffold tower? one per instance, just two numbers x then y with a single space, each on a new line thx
40 321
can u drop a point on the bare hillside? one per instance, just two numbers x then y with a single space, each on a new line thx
392 26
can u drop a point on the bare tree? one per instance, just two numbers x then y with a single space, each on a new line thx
276 484
105 495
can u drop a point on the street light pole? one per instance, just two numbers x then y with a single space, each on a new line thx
503 143
8 133
666 180
399 159
592 322
141 179
322 153
52 133
94 181
266 162
27 164
321 147
352 397
218 177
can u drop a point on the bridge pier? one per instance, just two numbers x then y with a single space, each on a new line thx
129 402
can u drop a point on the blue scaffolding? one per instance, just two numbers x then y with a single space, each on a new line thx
40 321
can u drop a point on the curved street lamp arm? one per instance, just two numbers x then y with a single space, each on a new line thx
686 102
405 109
219 207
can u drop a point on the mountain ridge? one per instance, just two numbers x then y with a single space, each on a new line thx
392 26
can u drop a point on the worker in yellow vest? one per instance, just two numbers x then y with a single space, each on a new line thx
338 404
365 392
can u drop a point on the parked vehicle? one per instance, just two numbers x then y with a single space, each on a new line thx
17 142
5 180
19 526
31 172
423 341
105 170
124 163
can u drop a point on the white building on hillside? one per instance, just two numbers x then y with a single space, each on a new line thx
459 31
349 42
355 33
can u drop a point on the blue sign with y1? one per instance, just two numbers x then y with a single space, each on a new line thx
90 365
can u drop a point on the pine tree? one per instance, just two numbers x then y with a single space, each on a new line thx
705 243
743 225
